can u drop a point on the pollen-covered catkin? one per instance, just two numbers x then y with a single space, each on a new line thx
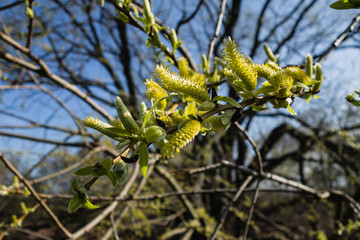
240 65
175 83
186 132
102 127
155 92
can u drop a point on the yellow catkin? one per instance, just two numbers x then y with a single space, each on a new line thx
240 65
298 74
175 83
216 124
154 92
183 67
186 132
167 120
277 103
102 127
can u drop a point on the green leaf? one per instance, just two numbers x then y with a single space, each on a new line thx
74 203
147 117
143 158
207 106
341 5
265 90
85 171
29 12
113 178
154 133
191 110
75 185
290 109
88 205
119 130
228 100
122 17
121 170
106 164
101 3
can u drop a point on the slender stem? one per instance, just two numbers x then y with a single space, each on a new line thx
230 204
51 214
217 30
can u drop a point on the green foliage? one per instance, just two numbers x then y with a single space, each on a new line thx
351 98
240 71
182 107
143 158
345 4
80 199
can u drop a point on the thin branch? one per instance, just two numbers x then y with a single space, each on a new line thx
230 204
11 5
107 235
35 195
71 167
132 20
88 227
152 197
259 25
260 171
31 25
251 210
217 30
254 146
169 178
342 37
192 15
35 139
294 28
44 70
113 226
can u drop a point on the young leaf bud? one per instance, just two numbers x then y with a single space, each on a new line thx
121 170
126 117
269 53
173 39
309 65
207 106
154 133
147 12
318 77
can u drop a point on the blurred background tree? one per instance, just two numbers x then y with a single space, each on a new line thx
64 60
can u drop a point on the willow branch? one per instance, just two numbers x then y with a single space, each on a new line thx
88 227
230 204
35 139
35 195
42 69
341 38
217 30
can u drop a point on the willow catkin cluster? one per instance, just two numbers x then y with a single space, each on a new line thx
239 66
102 127
172 82
155 92
186 132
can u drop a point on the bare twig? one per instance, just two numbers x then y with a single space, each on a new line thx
35 139
88 227
230 204
260 171
217 30
11 5
188 19
31 25
42 69
342 37
35 195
